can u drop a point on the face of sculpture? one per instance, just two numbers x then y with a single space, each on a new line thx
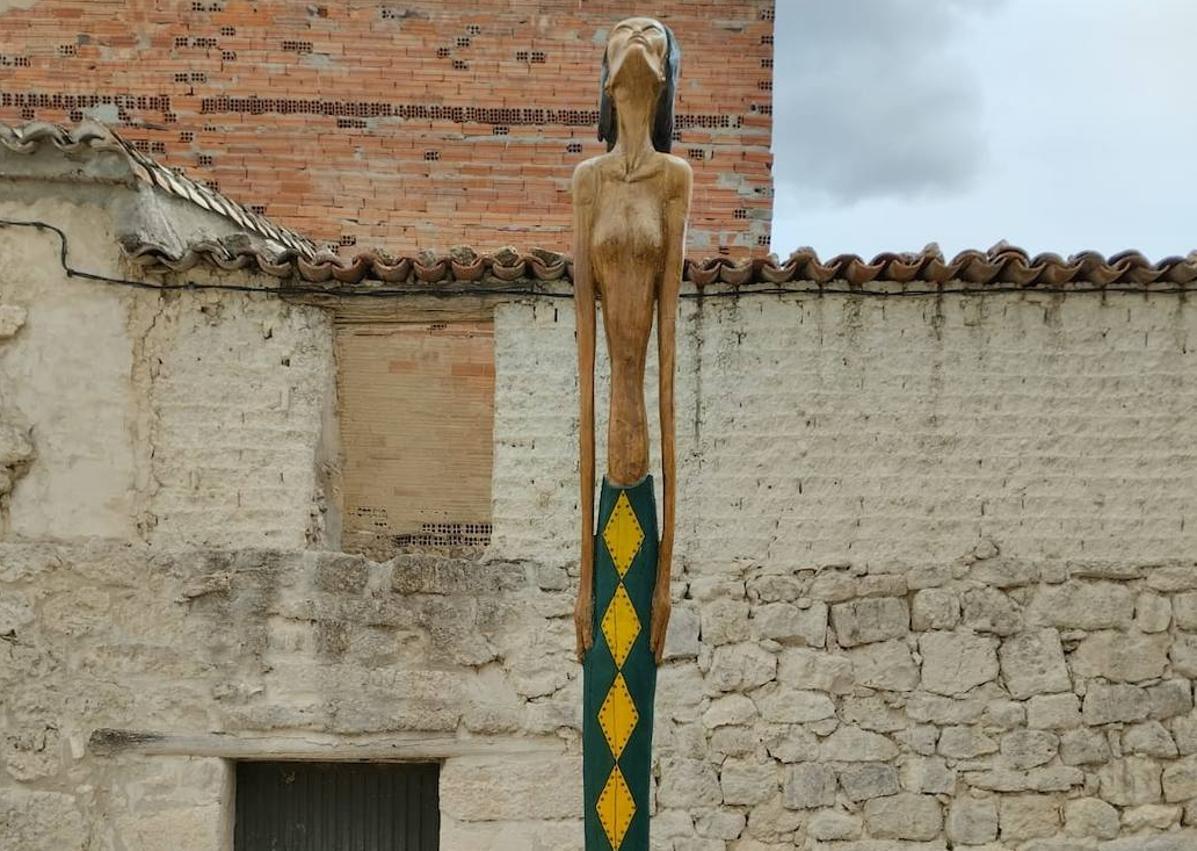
637 48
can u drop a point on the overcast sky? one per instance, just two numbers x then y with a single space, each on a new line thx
1057 125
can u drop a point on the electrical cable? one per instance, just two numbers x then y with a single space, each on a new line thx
533 292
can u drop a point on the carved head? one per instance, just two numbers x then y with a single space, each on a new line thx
640 52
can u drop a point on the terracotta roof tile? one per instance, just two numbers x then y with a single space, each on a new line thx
1003 266
90 136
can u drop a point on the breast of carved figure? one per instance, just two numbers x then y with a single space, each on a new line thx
628 226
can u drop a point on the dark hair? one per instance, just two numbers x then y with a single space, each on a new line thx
608 127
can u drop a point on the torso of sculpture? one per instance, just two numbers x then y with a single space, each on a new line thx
630 208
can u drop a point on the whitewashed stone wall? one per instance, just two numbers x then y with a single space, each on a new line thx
985 703
936 582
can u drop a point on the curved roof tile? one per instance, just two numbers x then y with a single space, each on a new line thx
1002 266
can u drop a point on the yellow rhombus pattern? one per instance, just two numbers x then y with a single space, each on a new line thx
620 625
618 716
623 534
616 807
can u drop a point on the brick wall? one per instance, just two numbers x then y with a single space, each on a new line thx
413 124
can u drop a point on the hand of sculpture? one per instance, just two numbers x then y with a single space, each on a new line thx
584 610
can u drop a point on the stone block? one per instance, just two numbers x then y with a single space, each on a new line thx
887 666
1024 749
904 816
1083 605
812 669
809 786
972 821
870 620
1153 612
1122 657
1005 573
1090 817
729 709
790 624
1184 610
873 712
687 784
1084 747
739 667
851 744
1107 704
511 788
793 744
1150 817
928 775
965 743
957 662
867 780
725 622
989 610
1033 663
1054 711
1024 817
746 782
1131 781
934 608
682 637
1149 738
785 705
1179 780
1170 699
1184 656
827 825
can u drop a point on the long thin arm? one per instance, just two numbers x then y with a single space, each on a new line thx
584 302
678 207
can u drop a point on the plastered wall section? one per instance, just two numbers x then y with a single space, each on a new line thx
820 431
167 418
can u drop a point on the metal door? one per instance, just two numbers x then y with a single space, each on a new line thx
305 806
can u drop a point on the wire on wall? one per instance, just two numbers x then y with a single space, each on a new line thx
539 292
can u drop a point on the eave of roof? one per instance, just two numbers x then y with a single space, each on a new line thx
90 138
1003 266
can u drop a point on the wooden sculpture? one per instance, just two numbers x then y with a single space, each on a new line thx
630 208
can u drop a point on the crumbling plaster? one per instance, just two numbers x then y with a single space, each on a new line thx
180 416
934 581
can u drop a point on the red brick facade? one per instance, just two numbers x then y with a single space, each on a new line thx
398 124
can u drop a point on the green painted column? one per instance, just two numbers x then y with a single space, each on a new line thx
619 672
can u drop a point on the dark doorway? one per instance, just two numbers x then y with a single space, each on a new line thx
306 806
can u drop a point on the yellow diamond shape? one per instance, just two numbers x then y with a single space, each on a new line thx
618 716
620 625
623 534
616 808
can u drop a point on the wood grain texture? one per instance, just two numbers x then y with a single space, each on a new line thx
630 209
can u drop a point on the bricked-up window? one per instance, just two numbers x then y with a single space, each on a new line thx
417 426
296 805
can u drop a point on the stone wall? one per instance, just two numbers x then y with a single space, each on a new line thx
935 582
177 418
988 702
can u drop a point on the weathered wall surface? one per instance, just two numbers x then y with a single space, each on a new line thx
935 583
331 650
987 702
847 431
174 418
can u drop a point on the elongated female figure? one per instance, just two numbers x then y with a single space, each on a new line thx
630 208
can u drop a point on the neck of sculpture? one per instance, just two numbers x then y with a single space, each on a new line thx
635 108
